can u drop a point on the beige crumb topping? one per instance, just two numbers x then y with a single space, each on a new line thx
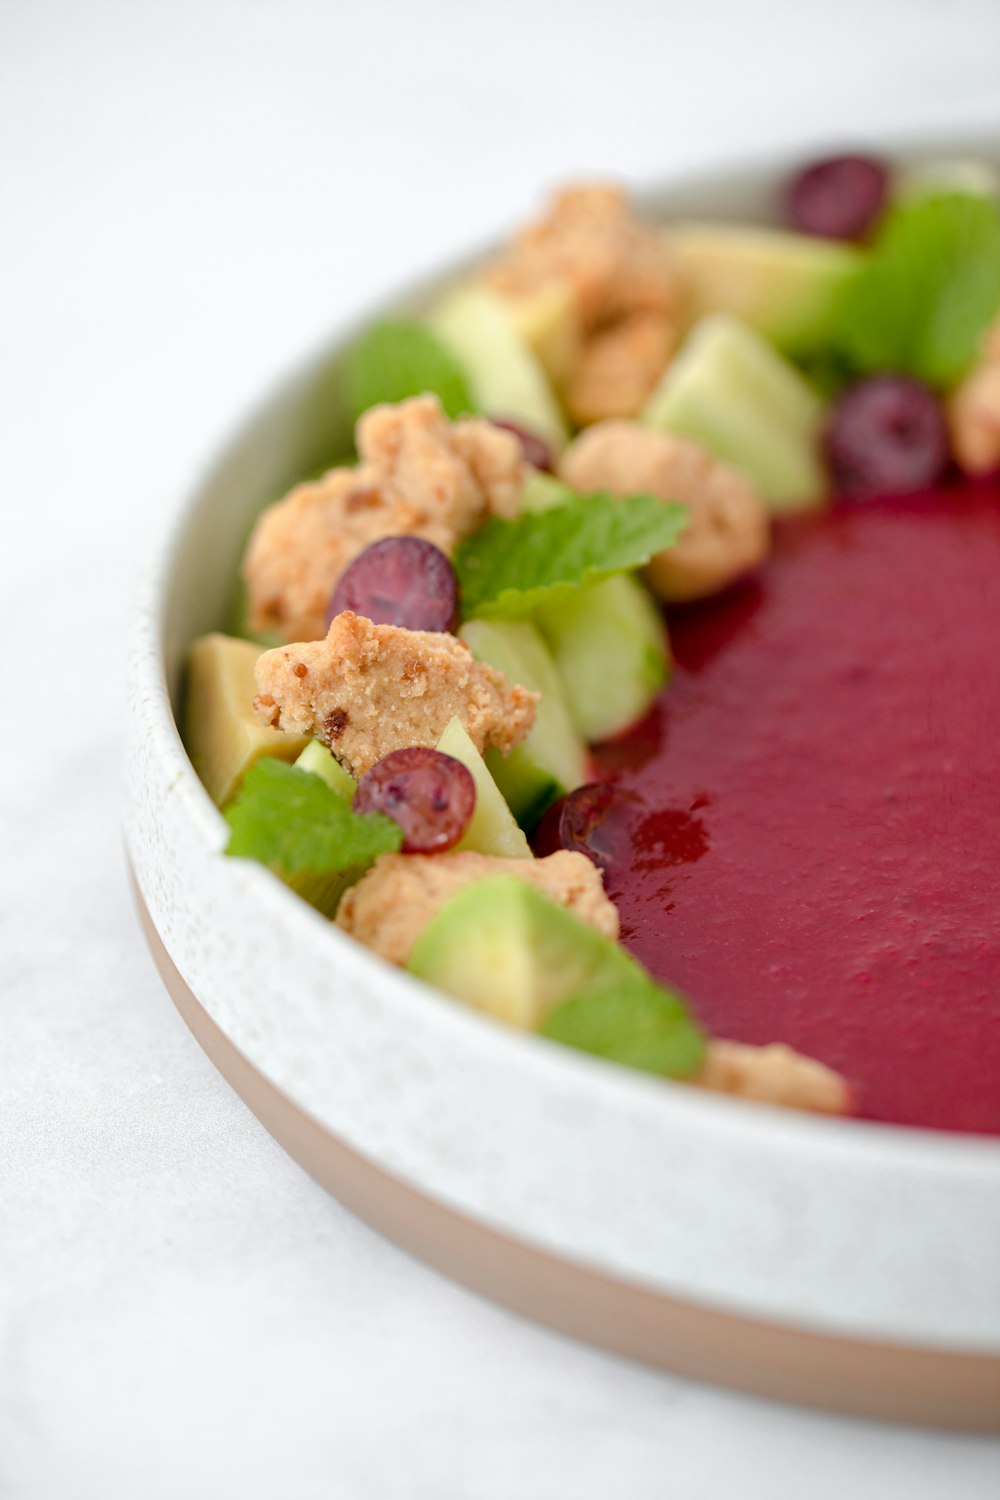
774 1075
619 367
418 475
591 241
973 411
728 531
390 906
367 689
618 327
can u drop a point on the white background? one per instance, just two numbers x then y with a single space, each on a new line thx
190 196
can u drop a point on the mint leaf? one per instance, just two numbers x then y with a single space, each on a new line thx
929 291
291 821
510 568
396 359
637 1023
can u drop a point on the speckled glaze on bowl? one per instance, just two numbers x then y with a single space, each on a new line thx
843 1263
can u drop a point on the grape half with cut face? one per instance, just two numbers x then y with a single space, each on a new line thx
400 580
431 796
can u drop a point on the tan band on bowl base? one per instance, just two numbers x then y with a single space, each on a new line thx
865 1379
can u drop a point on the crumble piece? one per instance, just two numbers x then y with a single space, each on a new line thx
619 367
392 904
728 531
774 1075
590 241
367 689
598 288
973 411
419 475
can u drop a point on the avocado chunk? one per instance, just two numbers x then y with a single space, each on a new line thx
552 760
223 735
783 285
503 947
506 379
493 829
610 647
733 393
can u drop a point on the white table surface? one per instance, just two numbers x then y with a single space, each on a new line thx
190 196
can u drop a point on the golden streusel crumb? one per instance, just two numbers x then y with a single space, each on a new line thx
390 907
619 367
728 531
419 475
367 689
774 1075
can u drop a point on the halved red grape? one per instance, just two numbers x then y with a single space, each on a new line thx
840 197
534 449
595 820
431 796
400 580
886 436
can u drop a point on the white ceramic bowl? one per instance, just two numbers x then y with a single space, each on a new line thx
840 1262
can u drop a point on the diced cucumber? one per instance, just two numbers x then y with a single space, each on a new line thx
322 763
784 285
553 759
549 323
223 735
543 492
506 379
610 647
731 391
493 829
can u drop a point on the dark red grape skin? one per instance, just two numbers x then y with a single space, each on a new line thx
840 198
431 796
534 450
592 820
400 580
887 435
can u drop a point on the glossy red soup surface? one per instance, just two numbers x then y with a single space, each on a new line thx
810 838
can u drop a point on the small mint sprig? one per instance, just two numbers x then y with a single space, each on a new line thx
928 292
509 569
291 821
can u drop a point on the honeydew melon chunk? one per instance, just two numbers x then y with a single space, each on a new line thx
223 735
507 380
548 322
960 174
493 829
784 285
500 946
543 491
733 393
552 760
324 764
611 651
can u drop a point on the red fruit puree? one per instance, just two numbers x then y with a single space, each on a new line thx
813 854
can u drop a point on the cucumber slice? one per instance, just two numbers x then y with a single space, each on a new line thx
611 650
553 759
223 734
543 492
322 763
736 395
786 286
506 378
493 829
